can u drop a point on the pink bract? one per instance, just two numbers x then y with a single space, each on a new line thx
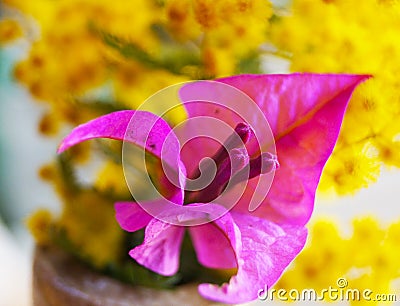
305 112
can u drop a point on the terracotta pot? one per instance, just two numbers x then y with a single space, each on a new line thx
61 280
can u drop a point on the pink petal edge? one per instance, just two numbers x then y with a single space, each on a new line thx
130 216
141 128
212 247
263 251
160 249
305 112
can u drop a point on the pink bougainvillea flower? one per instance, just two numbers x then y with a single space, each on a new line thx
305 112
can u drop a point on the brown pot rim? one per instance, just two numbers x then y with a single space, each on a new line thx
59 279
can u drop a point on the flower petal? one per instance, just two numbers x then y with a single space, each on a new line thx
141 128
263 250
212 246
130 216
160 249
214 103
287 99
305 113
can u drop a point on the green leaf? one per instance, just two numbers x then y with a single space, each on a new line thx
172 57
249 64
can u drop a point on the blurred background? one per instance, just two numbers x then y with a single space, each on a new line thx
64 62
21 192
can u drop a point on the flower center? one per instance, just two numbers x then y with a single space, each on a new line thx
230 164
